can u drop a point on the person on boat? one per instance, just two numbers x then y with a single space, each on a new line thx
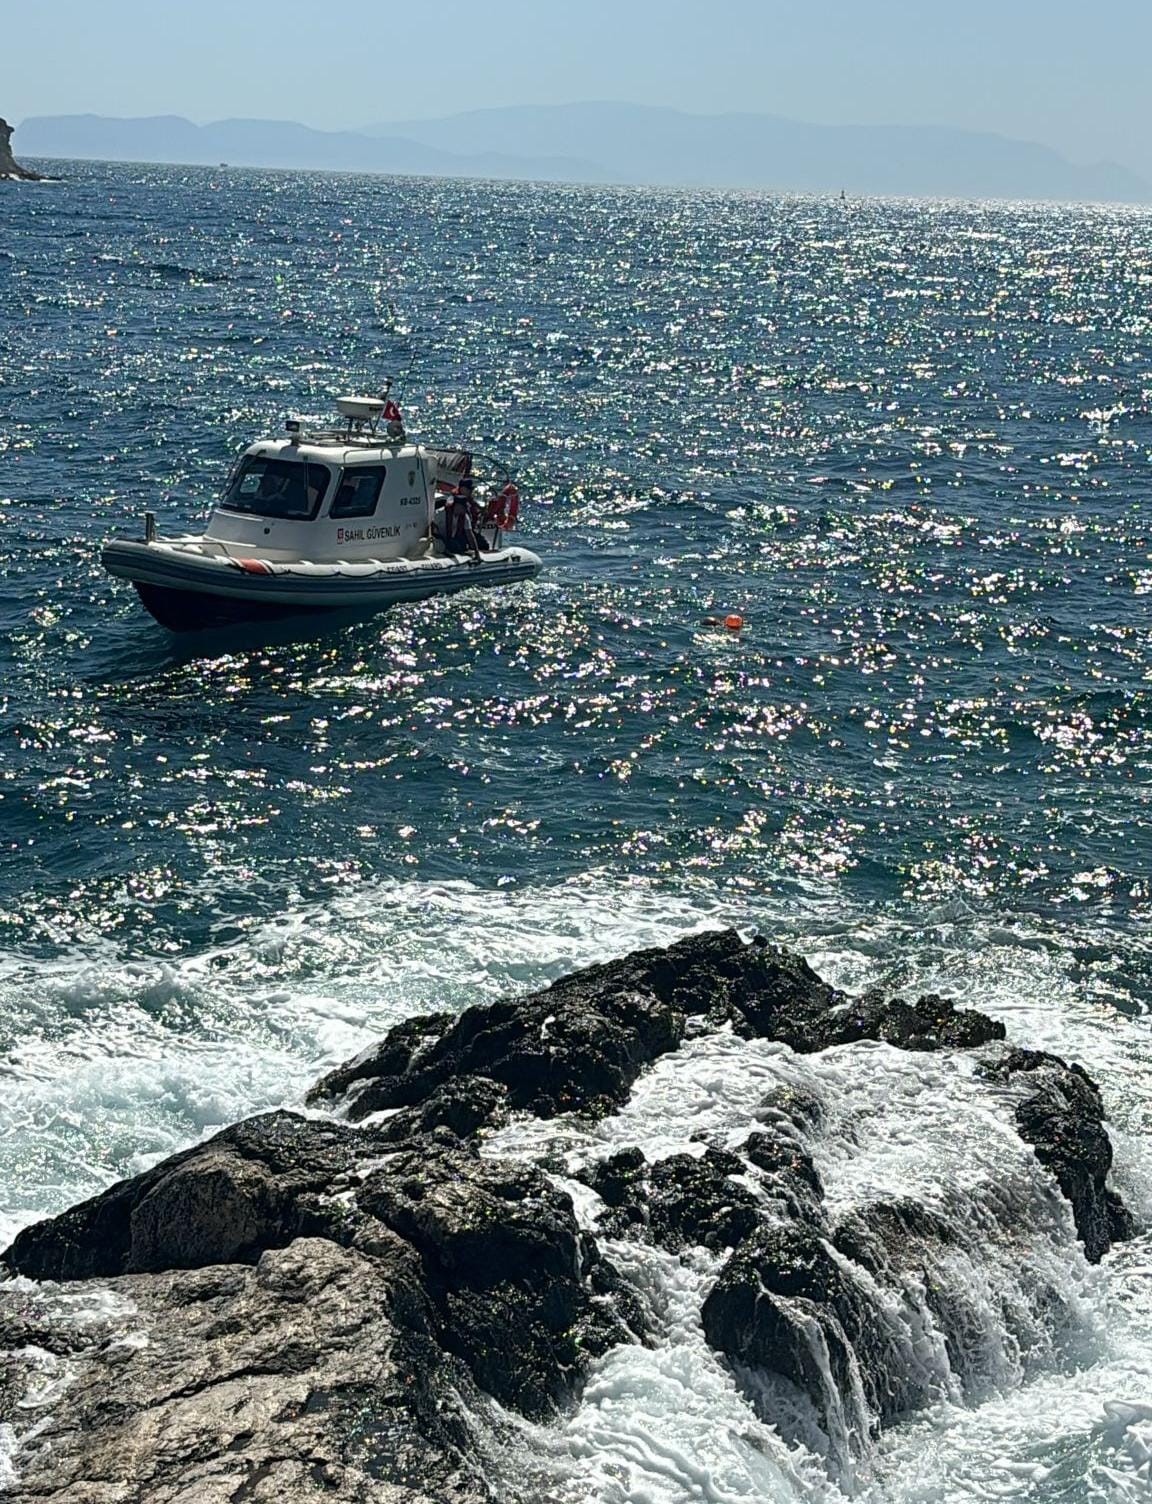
475 516
459 523
276 493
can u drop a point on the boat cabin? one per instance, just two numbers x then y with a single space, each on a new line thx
345 493
306 499
342 493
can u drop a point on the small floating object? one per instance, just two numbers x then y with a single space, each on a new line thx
732 621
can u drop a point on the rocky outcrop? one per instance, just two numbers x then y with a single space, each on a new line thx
787 1305
509 1278
580 1044
255 1186
1063 1119
312 1373
9 167
328 1306
312 1305
881 1313
503 1267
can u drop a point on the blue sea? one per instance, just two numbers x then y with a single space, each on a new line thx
910 443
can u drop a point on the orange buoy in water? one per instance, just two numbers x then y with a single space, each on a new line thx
733 622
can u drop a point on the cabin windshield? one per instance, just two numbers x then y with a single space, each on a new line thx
277 488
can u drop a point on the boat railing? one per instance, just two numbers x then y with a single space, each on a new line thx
350 438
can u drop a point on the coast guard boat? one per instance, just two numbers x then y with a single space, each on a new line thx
352 517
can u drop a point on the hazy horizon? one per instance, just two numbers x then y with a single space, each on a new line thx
1033 72
610 143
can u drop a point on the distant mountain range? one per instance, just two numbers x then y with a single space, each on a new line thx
613 143
275 143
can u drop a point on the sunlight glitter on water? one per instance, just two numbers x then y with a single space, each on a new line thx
907 443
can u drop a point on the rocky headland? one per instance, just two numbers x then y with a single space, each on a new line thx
9 167
355 1302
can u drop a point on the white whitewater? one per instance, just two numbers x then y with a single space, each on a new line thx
893 1124
118 1064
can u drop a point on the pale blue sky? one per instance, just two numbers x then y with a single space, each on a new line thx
1070 73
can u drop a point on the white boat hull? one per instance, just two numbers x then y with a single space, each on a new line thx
186 587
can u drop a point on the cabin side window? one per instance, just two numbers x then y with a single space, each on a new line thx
359 491
265 487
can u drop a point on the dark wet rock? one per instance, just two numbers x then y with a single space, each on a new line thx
785 1304
682 1201
255 1186
931 1023
694 1200
621 1183
705 1200
379 1070
787 1172
1063 1119
462 1106
619 1179
9 167
580 1044
622 1314
555 1051
781 997
778 996
787 1109
892 1230
504 1266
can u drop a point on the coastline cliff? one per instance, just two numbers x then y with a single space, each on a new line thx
9 167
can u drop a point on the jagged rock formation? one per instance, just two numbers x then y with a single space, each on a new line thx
303 1307
9 167
580 1044
311 1373
1063 1119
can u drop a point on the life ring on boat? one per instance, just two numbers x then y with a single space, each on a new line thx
504 508
253 566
